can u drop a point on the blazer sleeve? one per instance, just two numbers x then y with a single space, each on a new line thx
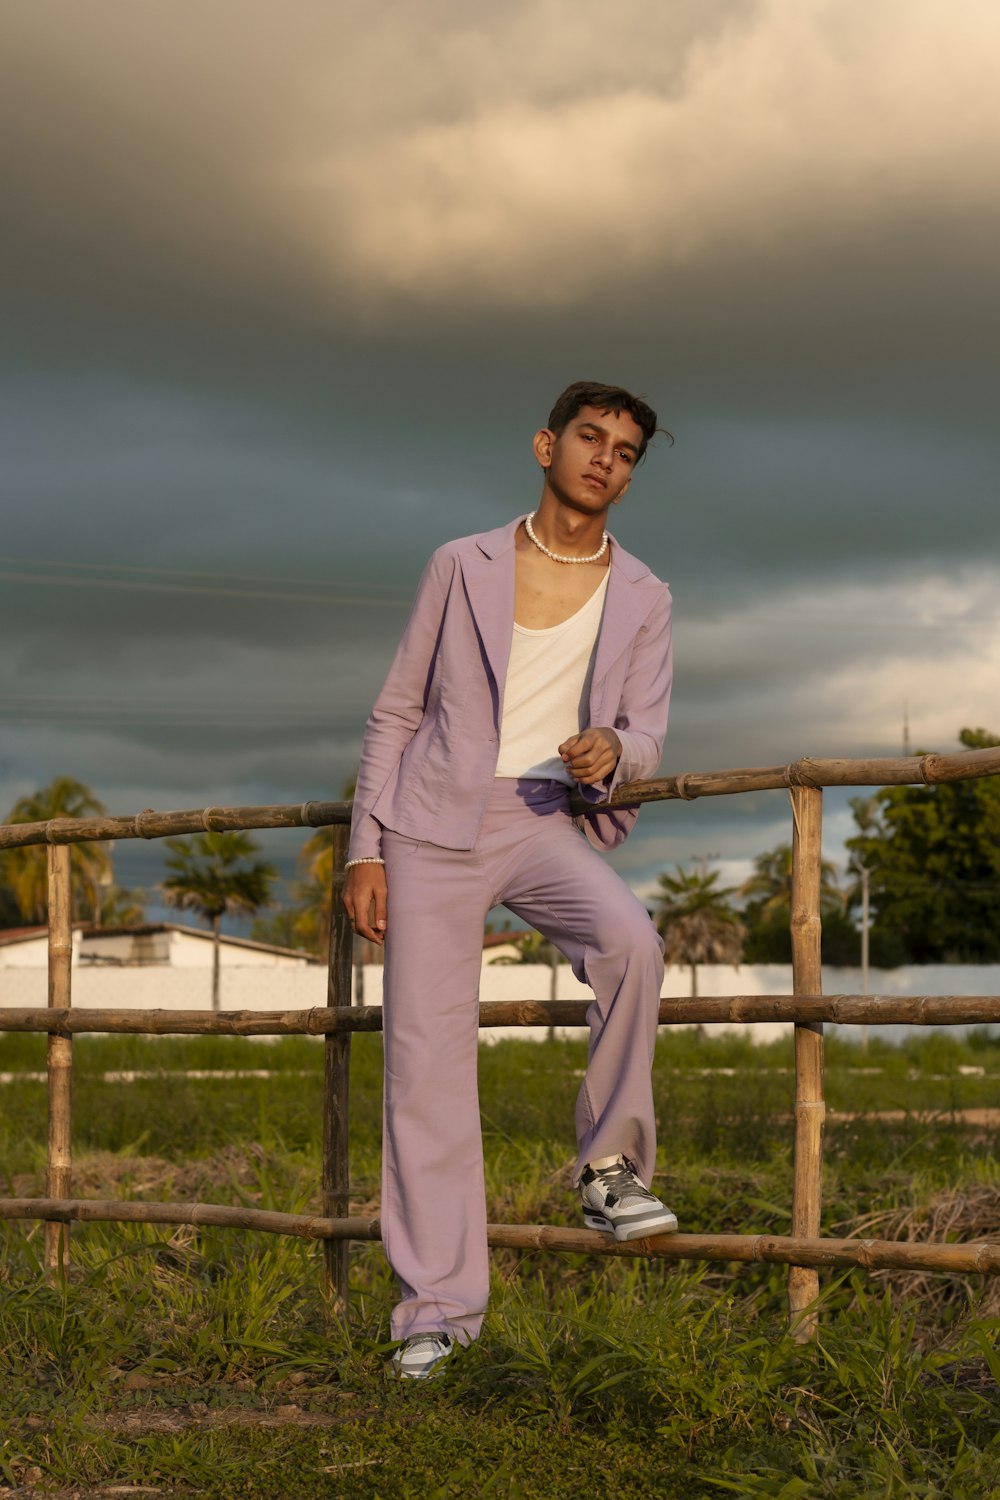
640 722
401 704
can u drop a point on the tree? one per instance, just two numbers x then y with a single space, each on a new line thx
278 929
933 857
207 876
307 922
10 914
696 920
313 894
25 871
116 906
768 911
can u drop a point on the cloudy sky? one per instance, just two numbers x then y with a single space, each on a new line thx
288 288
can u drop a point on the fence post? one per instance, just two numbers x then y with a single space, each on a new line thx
810 1109
336 1087
59 1163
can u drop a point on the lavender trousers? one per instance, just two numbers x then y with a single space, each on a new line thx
531 858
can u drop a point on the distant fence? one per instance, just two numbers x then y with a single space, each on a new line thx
804 1251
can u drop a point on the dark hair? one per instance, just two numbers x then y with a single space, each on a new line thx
604 398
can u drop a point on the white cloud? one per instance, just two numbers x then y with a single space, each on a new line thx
794 123
526 155
829 671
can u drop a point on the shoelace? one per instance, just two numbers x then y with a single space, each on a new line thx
622 1181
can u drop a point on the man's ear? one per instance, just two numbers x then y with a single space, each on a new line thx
622 490
542 446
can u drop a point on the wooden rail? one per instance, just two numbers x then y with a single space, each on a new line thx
908 770
803 1250
786 1250
160 825
703 1010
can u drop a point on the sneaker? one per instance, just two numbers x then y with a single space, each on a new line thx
422 1355
616 1202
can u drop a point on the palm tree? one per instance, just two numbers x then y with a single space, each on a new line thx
768 909
26 870
696 920
312 914
116 906
770 886
207 877
313 894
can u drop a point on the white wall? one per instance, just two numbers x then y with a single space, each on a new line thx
31 953
531 982
252 987
160 987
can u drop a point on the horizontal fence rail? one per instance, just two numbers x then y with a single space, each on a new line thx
161 825
786 1250
713 1010
908 770
911 770
804 1250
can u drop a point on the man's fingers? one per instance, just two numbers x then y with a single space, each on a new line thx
592 755
597 772
364 929
381 903
365 894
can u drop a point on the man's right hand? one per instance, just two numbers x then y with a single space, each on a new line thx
365 900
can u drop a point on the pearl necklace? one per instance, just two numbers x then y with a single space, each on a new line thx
594 556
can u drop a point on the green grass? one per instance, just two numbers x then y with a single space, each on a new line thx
201 1362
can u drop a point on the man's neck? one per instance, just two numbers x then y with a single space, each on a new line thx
566 531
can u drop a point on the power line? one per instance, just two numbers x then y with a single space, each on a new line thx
154 699
112 567
269 596
372 594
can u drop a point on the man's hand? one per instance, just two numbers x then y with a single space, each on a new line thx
365 900
592 755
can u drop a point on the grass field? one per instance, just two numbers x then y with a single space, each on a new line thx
199 1363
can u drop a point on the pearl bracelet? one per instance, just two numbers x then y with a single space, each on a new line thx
366 860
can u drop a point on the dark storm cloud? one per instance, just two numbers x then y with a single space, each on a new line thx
239 181
287 289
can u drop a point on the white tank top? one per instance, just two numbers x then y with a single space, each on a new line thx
547 693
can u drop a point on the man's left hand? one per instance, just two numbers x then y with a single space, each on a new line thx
592 755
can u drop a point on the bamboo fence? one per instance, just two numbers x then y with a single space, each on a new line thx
804 1250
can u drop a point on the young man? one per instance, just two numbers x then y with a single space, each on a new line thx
536 658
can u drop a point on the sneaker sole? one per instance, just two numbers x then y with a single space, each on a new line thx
625 1232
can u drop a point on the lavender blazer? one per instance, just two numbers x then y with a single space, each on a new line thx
432 740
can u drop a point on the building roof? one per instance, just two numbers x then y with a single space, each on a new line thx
11 935
21 934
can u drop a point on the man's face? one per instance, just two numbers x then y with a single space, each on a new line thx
589 464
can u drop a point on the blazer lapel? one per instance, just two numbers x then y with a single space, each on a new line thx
488 571
626 605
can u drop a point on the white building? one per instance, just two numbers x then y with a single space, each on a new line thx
161 966
168 966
